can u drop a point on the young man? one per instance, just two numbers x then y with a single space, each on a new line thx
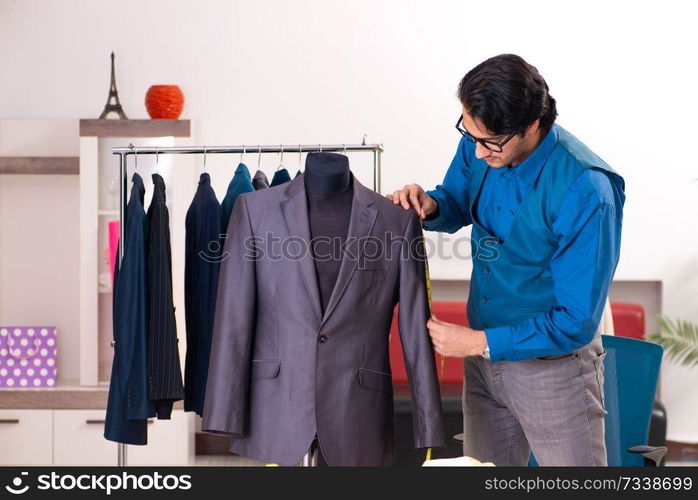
546 216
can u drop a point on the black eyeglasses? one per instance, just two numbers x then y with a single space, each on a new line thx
497 147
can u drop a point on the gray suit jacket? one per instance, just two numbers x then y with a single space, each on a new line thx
281 372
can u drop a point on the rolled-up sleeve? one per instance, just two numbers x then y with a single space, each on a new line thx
589 230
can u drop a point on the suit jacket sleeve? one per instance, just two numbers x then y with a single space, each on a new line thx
416 343
225 405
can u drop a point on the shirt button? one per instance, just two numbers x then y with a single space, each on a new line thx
322 339
484 300
486 270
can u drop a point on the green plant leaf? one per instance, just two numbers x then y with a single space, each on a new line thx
679 339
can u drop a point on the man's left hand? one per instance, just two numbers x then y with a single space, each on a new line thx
456 341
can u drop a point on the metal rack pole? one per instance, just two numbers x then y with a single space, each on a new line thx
123 180
298 148
310 459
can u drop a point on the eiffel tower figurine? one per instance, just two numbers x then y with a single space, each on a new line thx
113 94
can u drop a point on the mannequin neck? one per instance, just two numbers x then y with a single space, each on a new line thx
327 173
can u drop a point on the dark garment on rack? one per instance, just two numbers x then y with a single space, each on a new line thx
164 372
201 265
282 371
281 176
329 216
129 405
260 181
240 183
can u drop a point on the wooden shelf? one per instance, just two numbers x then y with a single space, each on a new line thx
54 165
62 397
135 128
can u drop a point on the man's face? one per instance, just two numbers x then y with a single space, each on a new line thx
513 152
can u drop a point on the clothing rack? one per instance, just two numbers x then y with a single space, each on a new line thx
124 152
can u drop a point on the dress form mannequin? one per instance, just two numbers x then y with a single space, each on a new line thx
327 173
328 187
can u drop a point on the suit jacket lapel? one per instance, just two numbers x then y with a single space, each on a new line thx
295 210
363 217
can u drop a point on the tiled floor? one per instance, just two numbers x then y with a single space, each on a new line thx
229 460
687 463
234 461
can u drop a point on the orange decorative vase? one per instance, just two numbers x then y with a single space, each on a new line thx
164 102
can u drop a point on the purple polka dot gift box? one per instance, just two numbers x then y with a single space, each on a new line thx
27 356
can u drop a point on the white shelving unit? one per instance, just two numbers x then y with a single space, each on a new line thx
99 204
57 203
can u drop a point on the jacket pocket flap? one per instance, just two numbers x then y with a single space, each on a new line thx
265 369
378 381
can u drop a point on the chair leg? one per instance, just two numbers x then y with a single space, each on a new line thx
653 454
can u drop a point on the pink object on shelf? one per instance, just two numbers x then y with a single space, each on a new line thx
113 245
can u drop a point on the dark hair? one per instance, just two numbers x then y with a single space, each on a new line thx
507 94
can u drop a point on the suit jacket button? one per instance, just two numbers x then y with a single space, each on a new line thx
486 270
322 339
484 300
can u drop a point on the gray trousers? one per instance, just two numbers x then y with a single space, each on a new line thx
553 406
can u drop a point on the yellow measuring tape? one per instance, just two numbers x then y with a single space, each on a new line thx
428 282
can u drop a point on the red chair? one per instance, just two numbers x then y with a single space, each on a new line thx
451 312
628 320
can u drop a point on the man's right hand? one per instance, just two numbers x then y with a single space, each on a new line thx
413 196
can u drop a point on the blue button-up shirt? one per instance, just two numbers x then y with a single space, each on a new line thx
588 228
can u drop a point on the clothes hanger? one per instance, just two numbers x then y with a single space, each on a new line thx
281 161
205 160
135 156
259 157
244 150
157 158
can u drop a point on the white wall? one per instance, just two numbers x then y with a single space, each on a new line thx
623 74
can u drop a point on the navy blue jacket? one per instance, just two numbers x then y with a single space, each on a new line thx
129 406
281 176
201 265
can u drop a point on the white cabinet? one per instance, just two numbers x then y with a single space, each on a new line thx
26 437
169 442
78 438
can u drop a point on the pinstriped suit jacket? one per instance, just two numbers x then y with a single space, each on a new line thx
164 372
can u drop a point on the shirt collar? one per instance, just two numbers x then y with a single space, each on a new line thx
204 178
529 169
242 169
